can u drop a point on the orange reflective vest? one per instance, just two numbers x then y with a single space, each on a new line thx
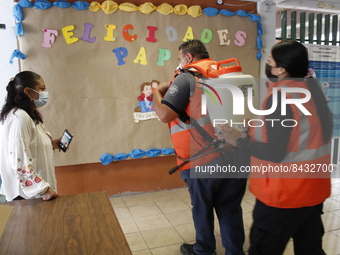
185 138
302 178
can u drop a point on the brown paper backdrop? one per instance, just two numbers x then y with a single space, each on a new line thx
94 97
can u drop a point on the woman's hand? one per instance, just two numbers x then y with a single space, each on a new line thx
230 134
55 143
49 194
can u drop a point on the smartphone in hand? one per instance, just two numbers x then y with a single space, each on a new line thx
65 140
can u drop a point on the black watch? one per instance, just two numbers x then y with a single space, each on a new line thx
240 141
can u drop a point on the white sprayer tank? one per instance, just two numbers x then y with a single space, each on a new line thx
232 88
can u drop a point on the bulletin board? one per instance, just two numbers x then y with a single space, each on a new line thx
93 64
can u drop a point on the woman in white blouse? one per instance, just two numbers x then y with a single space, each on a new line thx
26 149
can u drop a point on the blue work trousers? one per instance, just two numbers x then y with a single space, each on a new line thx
225 196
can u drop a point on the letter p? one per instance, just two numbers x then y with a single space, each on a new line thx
163 56
219 122
121 53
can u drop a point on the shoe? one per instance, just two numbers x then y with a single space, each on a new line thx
188 249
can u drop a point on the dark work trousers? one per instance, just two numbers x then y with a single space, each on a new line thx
273 227
225 196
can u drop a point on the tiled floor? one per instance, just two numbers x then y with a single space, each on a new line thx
158 223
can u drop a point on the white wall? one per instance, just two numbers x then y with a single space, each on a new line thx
8 43
267 11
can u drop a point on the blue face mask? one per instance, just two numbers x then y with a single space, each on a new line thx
43 98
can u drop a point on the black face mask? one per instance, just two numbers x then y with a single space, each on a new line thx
269 74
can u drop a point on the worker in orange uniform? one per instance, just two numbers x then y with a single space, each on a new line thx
291 191
179 104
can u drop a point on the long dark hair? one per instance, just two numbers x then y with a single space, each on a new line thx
16 98
293 56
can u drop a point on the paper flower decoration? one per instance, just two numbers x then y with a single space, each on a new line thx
128 7
25 4
195 11
180 9
109 7
165 9
80 5
210 11
147 8
62 4
95 7
42 4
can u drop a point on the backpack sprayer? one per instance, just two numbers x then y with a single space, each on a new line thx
231 87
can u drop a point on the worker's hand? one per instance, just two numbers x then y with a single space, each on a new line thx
49 194
230 134
163 88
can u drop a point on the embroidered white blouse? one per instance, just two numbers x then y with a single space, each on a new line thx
26 157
